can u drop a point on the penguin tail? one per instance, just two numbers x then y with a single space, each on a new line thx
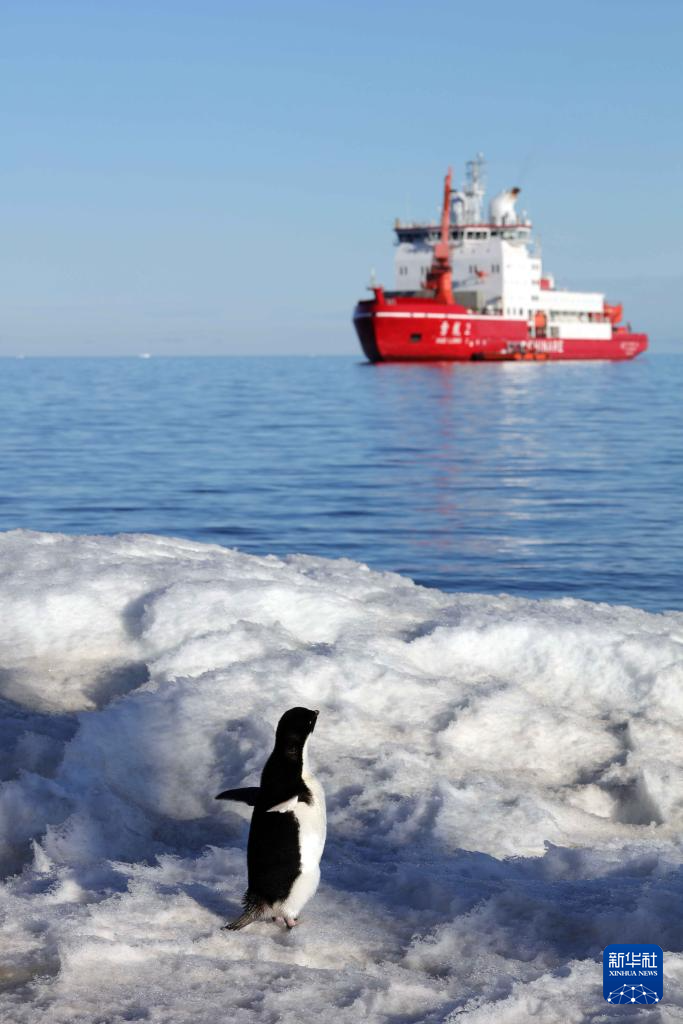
242 921
254 910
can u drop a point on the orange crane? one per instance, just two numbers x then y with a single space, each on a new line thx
440 274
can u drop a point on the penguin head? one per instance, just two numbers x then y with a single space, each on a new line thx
295 726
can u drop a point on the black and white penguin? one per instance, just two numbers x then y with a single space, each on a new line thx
288 827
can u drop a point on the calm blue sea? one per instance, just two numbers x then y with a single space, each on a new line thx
539 480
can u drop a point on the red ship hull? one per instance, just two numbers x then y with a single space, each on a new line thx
408 329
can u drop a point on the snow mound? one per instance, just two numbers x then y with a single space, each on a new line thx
504 781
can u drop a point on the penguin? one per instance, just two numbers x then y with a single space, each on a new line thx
288 827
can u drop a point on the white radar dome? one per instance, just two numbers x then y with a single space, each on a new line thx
502 207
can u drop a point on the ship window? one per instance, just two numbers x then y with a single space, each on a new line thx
416 337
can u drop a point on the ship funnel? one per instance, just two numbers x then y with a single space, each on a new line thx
502 207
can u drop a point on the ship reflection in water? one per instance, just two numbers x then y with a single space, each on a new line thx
539 479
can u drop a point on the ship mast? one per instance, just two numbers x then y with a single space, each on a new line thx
440 274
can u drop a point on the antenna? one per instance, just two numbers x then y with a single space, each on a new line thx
475 189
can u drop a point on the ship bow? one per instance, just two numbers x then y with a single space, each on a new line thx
364 322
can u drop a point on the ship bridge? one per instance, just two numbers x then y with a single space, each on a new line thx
412 232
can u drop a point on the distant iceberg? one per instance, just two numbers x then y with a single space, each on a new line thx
504 781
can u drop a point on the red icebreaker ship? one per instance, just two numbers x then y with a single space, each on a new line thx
470 289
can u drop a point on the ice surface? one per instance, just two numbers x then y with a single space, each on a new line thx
504 781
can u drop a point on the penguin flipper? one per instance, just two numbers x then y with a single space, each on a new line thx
285 805
248 795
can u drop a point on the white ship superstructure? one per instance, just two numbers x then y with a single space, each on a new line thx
497 266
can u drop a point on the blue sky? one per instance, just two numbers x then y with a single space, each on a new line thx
211 177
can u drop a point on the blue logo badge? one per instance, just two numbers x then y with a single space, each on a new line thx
633 972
